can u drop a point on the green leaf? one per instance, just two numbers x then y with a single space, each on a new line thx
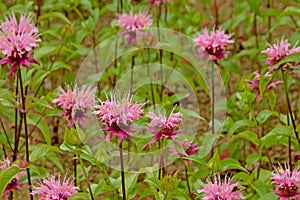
55 15
208 144
268 196
80 196
254 6
263 82
290 10
153 181
240 124
263 116
40 122
42 150
275 135
260 187
215 163
250 136
191 113
295 57
230 163
252 159
6 175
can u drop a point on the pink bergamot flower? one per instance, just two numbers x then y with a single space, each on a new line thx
277 52
117 115
17 41
286 182
131 23
15 183
213 45
189 148
256 80
162 126
217 189
75 103
53 188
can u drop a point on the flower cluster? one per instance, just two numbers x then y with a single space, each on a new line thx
53 188
277 52
17 41
216 189
117 115
15 183
286 182
162 126
256 80
213 45
75 103
189 148
131 23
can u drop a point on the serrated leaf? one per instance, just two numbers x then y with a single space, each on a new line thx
41 150
153 181
191 113
240 124
263 82
79 196
6 175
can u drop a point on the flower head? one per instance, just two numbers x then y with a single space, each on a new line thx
132 23
213 45
75 103
15 183
218 190
157 2
256 80
162 126
53 188
117 115
189 148
278 51
17 41
286 182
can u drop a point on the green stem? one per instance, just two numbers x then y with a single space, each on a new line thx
284 77
187 180
122 173
23 115
86 177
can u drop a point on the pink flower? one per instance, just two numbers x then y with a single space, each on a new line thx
117 116
132 23
213 45
286 182
15 183
162 126
277 52
256 80
217 190
157 2
76 103
53 188
17 41
189 148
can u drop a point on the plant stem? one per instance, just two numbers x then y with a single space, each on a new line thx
86 177
212 98
122 173
131 75
284 77
149 74
187 180
75 170
15 151
23 115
